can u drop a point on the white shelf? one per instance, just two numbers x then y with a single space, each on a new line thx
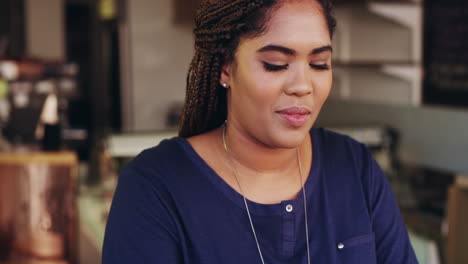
378 53
384 84
378 32
410 16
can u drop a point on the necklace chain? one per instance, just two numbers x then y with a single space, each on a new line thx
234 169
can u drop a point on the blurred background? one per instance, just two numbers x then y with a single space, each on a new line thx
85 85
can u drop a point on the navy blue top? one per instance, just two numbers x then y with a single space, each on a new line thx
171 207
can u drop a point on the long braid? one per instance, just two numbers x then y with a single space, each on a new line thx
219 24
205 102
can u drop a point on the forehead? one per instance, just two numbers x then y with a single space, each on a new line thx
298 23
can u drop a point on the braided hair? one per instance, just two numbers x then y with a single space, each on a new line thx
219 25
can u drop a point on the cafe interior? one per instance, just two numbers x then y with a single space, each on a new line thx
86 85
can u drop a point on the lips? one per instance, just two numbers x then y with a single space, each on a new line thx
294 116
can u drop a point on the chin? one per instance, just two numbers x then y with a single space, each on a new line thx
290 138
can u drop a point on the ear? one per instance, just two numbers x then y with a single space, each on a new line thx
226 75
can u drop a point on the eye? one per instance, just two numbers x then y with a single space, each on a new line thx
273 67
320 66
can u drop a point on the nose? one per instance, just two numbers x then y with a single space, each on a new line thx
300 83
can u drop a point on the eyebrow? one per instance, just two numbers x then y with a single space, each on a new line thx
289 51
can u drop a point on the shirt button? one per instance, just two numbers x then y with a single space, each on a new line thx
340 246
289 208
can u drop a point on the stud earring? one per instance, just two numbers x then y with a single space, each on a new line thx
225 85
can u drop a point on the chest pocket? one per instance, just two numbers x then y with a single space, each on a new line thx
359 249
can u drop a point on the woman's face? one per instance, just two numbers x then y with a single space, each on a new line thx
279 81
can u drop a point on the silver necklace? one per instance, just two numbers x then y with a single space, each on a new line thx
234 169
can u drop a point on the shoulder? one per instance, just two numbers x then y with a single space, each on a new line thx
153 175
335 139
143 208
160 166
340 149
344 156
347 166
165 150
167 154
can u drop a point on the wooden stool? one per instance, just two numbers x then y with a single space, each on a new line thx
38 213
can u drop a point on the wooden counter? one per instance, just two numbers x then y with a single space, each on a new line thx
66 158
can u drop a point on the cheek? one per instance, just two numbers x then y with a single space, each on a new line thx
323 86
258 86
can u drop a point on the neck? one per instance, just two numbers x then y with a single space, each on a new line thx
248 153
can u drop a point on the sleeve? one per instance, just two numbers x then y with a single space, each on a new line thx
392 241
140 229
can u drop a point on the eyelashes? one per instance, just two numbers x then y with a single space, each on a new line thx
274 68
320 66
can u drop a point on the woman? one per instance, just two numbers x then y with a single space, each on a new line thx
249 180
